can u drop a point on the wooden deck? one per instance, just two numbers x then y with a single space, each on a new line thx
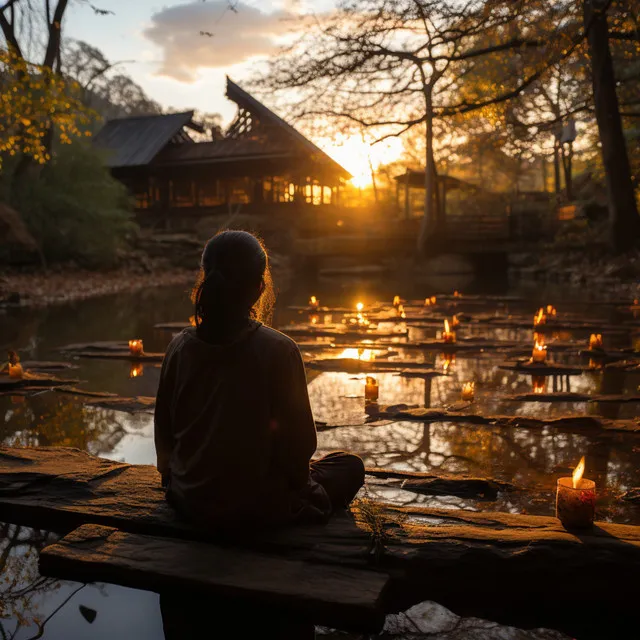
506 567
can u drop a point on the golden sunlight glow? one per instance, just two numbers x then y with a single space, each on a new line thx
357 157
357 354
577 473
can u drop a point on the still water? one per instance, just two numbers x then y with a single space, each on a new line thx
532 458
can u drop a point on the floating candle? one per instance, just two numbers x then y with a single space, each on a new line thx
313 302
539 353
448 336
371 389
576 500
396 301
16 371
595 341
136 347
136 370
468 391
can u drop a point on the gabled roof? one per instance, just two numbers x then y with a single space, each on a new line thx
223 150
246 101
134 142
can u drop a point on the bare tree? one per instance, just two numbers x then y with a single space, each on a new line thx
393 65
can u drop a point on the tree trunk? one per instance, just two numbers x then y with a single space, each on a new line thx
430 224
623 213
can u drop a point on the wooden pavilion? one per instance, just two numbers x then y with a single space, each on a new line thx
260 165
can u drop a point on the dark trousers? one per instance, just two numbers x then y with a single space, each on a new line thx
341 475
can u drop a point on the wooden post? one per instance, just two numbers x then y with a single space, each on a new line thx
406 197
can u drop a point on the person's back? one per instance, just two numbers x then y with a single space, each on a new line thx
233 427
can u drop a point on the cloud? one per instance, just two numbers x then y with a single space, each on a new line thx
237 35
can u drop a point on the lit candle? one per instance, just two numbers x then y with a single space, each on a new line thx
401 313
136 370
371 389
192 321
576 500
16 371
135 347
359 307
468 391
396 301
448 361
539 353
551 310
448 336
433 299
456 294
539 384
314 318
595 341
455 322
313 302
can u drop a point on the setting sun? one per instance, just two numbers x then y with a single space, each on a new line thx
358 157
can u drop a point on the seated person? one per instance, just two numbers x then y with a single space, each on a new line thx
234 432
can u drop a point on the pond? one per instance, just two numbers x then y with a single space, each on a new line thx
532 457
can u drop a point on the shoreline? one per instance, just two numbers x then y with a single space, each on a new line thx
35 289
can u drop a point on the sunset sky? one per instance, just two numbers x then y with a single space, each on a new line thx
181 69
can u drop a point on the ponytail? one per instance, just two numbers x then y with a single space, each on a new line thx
234 283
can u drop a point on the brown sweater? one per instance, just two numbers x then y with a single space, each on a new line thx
234 431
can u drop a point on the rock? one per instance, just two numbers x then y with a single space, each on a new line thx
434 621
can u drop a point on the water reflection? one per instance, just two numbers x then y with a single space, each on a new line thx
530 457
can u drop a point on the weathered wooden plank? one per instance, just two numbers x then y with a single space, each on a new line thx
577 423
466 560
334 595
119 355
550 369
573 397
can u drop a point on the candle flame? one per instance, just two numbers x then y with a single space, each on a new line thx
455 322
551 310
456 294
468 390
372 381
359 307
313 301
577 473
448 360
192 321
433 299
446 326
136 347
396 301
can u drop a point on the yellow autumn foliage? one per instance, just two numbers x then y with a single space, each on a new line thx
33 99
